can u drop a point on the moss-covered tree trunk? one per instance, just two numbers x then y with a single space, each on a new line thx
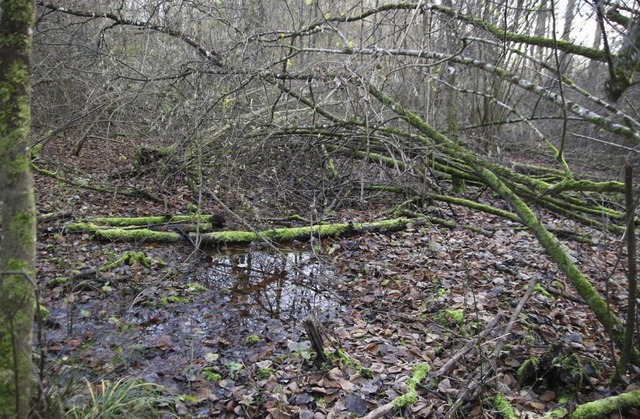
17 210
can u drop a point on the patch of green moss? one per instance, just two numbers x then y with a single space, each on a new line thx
264 373
456 315
129 258
539 289
57 281
44 312
350 362
173 299
35 151
501 404
527 373
450 316
187 398
209 374
419 374
558 369
405 400
251 340
194 287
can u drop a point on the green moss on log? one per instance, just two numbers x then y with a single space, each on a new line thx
245 237
142 221
119 234
501 404
605 407
419 374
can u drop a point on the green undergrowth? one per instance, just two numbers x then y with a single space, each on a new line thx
411 396
348 361
127 397
131 258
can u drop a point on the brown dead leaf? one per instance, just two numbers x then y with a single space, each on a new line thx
335 374
547 396
377 367
509 380
372 348
164 342
203 394
278 414
537 405
346 385
369 299
73 343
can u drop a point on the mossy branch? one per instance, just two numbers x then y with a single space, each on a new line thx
527 217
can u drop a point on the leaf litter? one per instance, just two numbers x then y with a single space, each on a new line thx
223 332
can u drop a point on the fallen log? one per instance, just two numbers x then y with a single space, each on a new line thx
209 221
247 237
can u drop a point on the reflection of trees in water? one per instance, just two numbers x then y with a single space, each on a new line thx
280 286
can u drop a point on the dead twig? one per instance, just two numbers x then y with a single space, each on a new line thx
489 367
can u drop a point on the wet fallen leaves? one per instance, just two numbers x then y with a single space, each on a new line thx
223 331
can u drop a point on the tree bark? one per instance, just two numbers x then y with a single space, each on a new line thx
626 62
17 212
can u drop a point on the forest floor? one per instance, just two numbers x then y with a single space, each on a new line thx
222 331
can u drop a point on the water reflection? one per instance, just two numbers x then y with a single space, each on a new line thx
283 286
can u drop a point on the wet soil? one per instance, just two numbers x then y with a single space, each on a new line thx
223 331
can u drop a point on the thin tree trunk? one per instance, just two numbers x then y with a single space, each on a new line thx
632 272
541 26
569 15
594 70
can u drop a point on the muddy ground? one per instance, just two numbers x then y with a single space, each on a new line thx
222 330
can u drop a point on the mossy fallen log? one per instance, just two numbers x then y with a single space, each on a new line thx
138 235
204 221
602 408
246 237
605 407
280 235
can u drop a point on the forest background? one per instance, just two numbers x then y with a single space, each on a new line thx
448 174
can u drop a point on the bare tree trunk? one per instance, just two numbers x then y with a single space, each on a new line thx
17 210
594 71
541 26
569 15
